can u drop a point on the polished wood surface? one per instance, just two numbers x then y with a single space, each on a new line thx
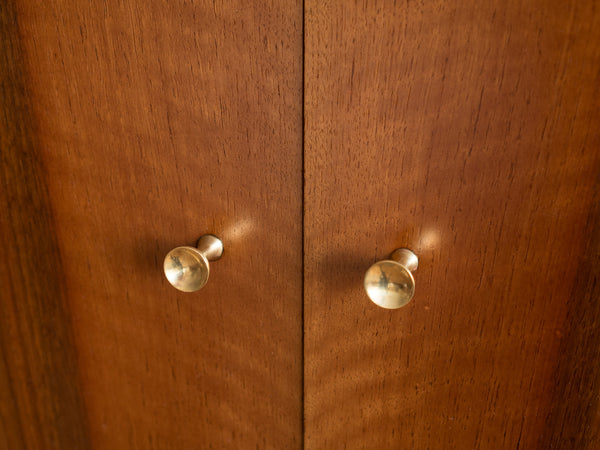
41 405
154 123
467 132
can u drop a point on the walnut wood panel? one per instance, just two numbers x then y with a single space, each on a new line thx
466 131
41 406
157 122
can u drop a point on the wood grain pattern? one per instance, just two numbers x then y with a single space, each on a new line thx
158 122
41 405
574 420
467 132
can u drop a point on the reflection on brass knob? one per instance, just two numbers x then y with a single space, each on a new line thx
390 283
187 268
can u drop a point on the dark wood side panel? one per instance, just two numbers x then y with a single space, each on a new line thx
574 418
158 122
466 131
41 405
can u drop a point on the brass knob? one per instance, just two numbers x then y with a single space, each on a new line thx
187 268
390 283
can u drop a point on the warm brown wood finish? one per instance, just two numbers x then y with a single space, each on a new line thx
40 398
574 421
153 123
466 131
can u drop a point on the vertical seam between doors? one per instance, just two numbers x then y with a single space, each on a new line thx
303 150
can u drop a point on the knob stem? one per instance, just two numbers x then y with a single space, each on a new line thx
406 258
210 246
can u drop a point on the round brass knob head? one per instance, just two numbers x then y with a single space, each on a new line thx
390 284
187 268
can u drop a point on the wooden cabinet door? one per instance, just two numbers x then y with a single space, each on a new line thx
465 131
468 132
128 128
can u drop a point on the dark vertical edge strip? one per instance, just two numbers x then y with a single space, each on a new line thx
303 111
574 420
42 405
